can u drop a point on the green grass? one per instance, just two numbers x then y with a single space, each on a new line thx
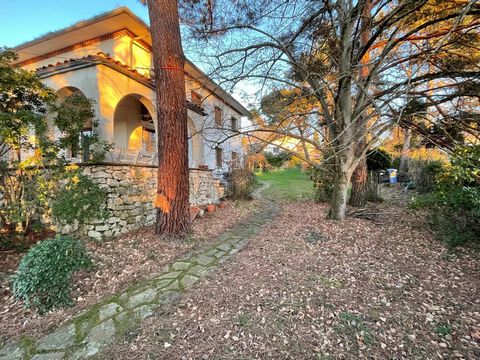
353 327
443 330
287 185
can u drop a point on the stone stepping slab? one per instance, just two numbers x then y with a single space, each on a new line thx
89 332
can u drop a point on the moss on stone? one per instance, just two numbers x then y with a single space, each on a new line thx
28 344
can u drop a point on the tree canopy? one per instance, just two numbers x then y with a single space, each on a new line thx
415 49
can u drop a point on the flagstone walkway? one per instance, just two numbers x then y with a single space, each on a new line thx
86 334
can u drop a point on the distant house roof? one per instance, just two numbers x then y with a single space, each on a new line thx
101 27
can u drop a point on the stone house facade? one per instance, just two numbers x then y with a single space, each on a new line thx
108 58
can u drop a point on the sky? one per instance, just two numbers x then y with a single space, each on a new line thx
24 20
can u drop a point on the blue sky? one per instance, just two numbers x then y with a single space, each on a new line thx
24 20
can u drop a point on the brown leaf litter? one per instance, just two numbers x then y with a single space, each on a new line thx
311 288
118 262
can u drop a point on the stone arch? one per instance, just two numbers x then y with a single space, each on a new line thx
195 145
134 123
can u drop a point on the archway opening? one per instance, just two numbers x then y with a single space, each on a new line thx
133 125
68 95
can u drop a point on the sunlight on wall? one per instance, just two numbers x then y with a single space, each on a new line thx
131 53
109 96
121 50
135 140
141 59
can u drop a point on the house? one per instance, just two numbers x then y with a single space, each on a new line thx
108 58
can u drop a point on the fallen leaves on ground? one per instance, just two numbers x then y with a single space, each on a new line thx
311 288
118 263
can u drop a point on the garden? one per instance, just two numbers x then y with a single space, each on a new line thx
348 225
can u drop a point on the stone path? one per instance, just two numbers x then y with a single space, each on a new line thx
86 334
257 193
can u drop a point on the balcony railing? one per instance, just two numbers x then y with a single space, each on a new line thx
131 156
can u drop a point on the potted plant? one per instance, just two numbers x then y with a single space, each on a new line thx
194 210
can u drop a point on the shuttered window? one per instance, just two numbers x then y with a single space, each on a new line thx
218 116
219 157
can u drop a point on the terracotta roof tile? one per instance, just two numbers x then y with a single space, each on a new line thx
99 57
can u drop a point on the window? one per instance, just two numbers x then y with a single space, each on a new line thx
234 124
219 157
235 161
85 140
82 148
195 98
218 116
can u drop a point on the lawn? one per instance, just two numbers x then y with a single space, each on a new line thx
287 185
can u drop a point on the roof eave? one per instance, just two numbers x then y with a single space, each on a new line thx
80 25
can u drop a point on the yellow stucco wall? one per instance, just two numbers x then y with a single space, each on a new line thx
107 87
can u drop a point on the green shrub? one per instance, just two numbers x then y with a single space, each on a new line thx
43 278
455 214
277 160
241 183
323 180
424 174
80 199
29 174
455 203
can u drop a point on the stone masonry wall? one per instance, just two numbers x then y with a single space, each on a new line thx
131 193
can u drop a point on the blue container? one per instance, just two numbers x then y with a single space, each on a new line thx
392 175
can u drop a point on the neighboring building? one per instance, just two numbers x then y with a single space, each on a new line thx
109 59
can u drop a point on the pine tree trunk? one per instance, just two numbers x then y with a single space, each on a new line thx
172 202
358 196
372 187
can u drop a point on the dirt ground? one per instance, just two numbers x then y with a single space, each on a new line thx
310 288
118 263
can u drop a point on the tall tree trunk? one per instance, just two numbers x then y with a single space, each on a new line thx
358 196
372 187
172 200
403 167
338 204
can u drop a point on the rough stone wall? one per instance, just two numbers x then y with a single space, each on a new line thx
131 193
